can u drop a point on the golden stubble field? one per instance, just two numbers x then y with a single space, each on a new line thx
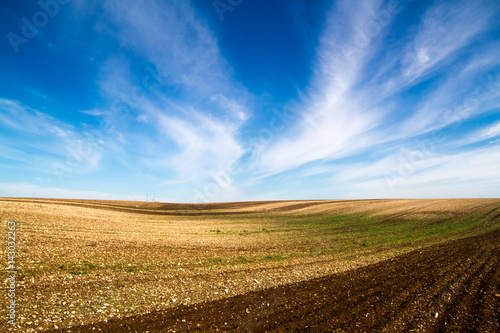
83 261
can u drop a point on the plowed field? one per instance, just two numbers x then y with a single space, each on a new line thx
289 266
450 287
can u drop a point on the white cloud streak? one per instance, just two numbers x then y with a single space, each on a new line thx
331 118
198 127
474 170
444 29
349 102
204 143
50 140
170 36
485 133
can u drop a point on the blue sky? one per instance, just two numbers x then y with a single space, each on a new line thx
203 101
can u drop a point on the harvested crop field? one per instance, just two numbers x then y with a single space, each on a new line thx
447 287
356 265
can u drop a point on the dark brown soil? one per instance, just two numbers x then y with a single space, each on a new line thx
450 287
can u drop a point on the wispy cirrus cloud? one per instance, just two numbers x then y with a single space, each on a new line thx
445 33
49 141
452 172
195 114
170 36
34 121
349 101
202 142
444 29
331 117
169 96
485 133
